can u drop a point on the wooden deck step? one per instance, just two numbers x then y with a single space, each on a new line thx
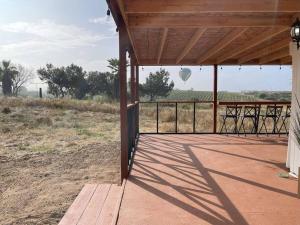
96 204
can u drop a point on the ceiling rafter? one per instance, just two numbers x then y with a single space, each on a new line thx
286 60
229 38
207 20
265 51
274 56
192 42
162 44
260 38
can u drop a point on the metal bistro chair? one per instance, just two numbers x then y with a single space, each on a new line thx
232 112
273 112
250 113
285 119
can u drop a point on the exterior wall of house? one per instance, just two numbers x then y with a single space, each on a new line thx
293 155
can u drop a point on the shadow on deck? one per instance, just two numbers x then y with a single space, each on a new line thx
209 179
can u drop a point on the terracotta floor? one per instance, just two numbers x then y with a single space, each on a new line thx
209 179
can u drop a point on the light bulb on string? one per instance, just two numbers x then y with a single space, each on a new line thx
142 68
240 67
108 15
200 68
260 67
181 67
280 67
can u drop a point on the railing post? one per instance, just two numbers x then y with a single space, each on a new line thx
215 98
157 117
176 117
194 118
133 92
123 100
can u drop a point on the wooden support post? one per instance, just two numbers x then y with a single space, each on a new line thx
298 182
123 101
215 98
132 78
137 97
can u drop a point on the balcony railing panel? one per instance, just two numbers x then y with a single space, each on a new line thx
196 117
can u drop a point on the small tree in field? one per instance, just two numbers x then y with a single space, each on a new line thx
98 83
56 79
7 73
77 85
21 77
157 85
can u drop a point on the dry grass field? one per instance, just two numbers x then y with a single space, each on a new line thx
48 150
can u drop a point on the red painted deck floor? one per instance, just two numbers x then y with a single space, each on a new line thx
209 179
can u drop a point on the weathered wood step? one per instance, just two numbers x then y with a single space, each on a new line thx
96 204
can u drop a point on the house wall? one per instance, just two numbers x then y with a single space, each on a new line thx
293 155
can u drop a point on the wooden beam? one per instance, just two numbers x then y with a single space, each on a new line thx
162 44
125 19
210 62
230 37
132 79
275 56
200 6
207 20
286 60
137 97
123 100
260 38
265 51
195 38
215 98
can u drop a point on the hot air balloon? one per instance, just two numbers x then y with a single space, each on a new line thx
185 74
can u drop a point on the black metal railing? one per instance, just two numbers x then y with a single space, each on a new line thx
193 109
197 112
133 130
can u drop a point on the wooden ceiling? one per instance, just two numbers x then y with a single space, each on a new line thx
206 32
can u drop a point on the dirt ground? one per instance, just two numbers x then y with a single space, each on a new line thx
47 155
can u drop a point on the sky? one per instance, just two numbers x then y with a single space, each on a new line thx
61 32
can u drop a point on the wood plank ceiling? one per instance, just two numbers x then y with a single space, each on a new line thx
206 32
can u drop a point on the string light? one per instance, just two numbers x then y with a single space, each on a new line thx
260 67
107 15
200 67
221 67
181 67
280 67
240 67
142 68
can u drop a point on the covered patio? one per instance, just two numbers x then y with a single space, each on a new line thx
207 178
195 33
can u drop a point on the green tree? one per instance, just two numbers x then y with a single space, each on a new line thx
98 83
157 85
113 78
7 74
70 80
56 78
77 85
